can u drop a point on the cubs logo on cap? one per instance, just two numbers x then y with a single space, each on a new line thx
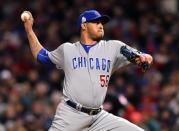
92 15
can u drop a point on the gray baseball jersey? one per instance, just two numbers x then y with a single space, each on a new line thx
87 74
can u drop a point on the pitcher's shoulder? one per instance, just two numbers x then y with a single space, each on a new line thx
70 44
114 42
103 42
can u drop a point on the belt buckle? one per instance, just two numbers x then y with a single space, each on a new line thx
78 107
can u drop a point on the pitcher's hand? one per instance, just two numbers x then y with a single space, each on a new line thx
28 21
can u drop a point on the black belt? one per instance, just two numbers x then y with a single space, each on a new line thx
89 111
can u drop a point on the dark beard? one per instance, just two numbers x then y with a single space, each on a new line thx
97 38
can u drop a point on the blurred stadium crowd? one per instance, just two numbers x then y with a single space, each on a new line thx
29 92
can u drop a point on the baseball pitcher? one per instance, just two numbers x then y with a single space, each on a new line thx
88 65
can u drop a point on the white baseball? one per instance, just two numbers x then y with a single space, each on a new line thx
25 16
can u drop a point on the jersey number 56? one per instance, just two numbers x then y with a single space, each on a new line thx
104 79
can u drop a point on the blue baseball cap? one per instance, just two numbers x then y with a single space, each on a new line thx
92 15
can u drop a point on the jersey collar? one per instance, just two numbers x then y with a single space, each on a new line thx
87 47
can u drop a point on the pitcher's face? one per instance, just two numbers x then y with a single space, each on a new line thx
95 30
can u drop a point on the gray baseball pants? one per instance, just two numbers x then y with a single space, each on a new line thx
69 119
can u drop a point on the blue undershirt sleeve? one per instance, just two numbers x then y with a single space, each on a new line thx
42 57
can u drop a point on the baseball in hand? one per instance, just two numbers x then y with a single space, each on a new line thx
25 16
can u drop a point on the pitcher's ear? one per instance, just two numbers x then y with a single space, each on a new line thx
83 26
